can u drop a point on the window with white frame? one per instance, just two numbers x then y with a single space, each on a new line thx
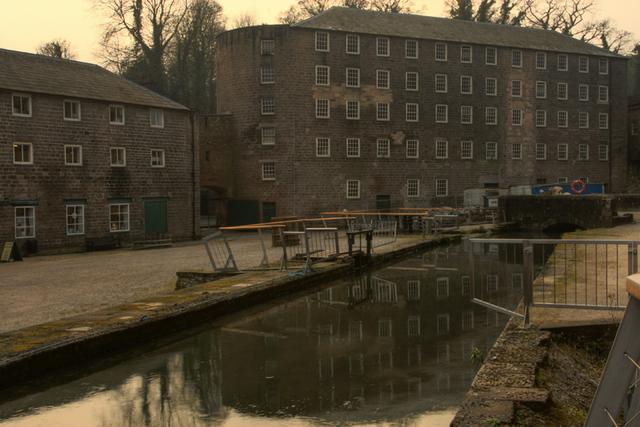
563 62
491 86
118 157
413 290
382 46
442 148
267 75
562 180
267 46
353 110
157 158
385 328
268 136
411 49
516 151
541 118
441 51
25 222
382 79
516 88
491 115
116 114
603 152
563 91
442 113
322 75
412 150
583 152
383 148
352 44
603 94
353 77
322 41
411 111
442 287
156 118
118 217
603 120
441 83
73 155
583 92
353 147
491 151
563 119
491 56
541 89
466 150
22 153
466 54
516 58
541 61
353 189
75 220
442 187
466 85
268 106
466 114
411 80
323 147
583 64
268 171
21 105
413 188
603 66
516 117
563 151
71 110
382 111
322 108
583 120
541 151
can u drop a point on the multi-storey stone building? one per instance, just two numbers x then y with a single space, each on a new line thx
87 157
357 109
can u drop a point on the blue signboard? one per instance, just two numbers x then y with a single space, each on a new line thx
567 188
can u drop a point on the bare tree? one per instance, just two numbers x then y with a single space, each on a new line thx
304 9
461 9
57 48
356 4
245 20
393 6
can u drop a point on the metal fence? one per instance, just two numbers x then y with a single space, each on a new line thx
219 252
385 231
310 246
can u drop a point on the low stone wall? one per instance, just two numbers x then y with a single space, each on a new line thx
187 279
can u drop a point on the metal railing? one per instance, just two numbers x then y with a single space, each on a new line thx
384 231
219 252
310 246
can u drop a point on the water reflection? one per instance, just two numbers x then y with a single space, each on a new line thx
394 345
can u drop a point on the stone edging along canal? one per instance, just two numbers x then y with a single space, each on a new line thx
30 352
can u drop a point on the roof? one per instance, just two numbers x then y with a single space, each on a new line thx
456 30
27 72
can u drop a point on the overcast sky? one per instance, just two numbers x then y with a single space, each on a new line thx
26 24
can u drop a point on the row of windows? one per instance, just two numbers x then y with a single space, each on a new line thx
23 155
441 186
72 111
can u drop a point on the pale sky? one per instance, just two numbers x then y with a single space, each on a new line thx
26 24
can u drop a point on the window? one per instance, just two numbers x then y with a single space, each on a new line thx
413 188
516 58
516 88
441 51
583 92
442 287
541 90
71 110
353 44
411 110
382 46
603 152
22 153
563 180
413 290
541 118
383 148
541 151
466 114
322 75
583 64
353 189
563 91
156 118
442 148
353 110
118 217
466 85
382 111
322 108
25 222
603 94
603 120
382 79
541 61
323 148
157 158
466 54
266 75
267 47
116 114
491 116
21 105
516 151
353 77
563 119
491 151
442 187
491 86
268 171
466 150
411 81
412 149
603 66
583 120
353 147
516 117
73 155
491 56
583 152
385 328
563 62
441 83
442 113
322 41
75 220
268 136
118 157
563 151
634 128
411 49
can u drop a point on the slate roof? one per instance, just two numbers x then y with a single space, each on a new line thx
27 72
428 27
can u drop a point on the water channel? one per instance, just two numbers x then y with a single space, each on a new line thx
395 346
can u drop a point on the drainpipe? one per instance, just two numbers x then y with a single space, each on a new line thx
194 176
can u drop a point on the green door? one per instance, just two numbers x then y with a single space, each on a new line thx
155 216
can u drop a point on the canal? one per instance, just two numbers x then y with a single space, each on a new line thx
399 345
